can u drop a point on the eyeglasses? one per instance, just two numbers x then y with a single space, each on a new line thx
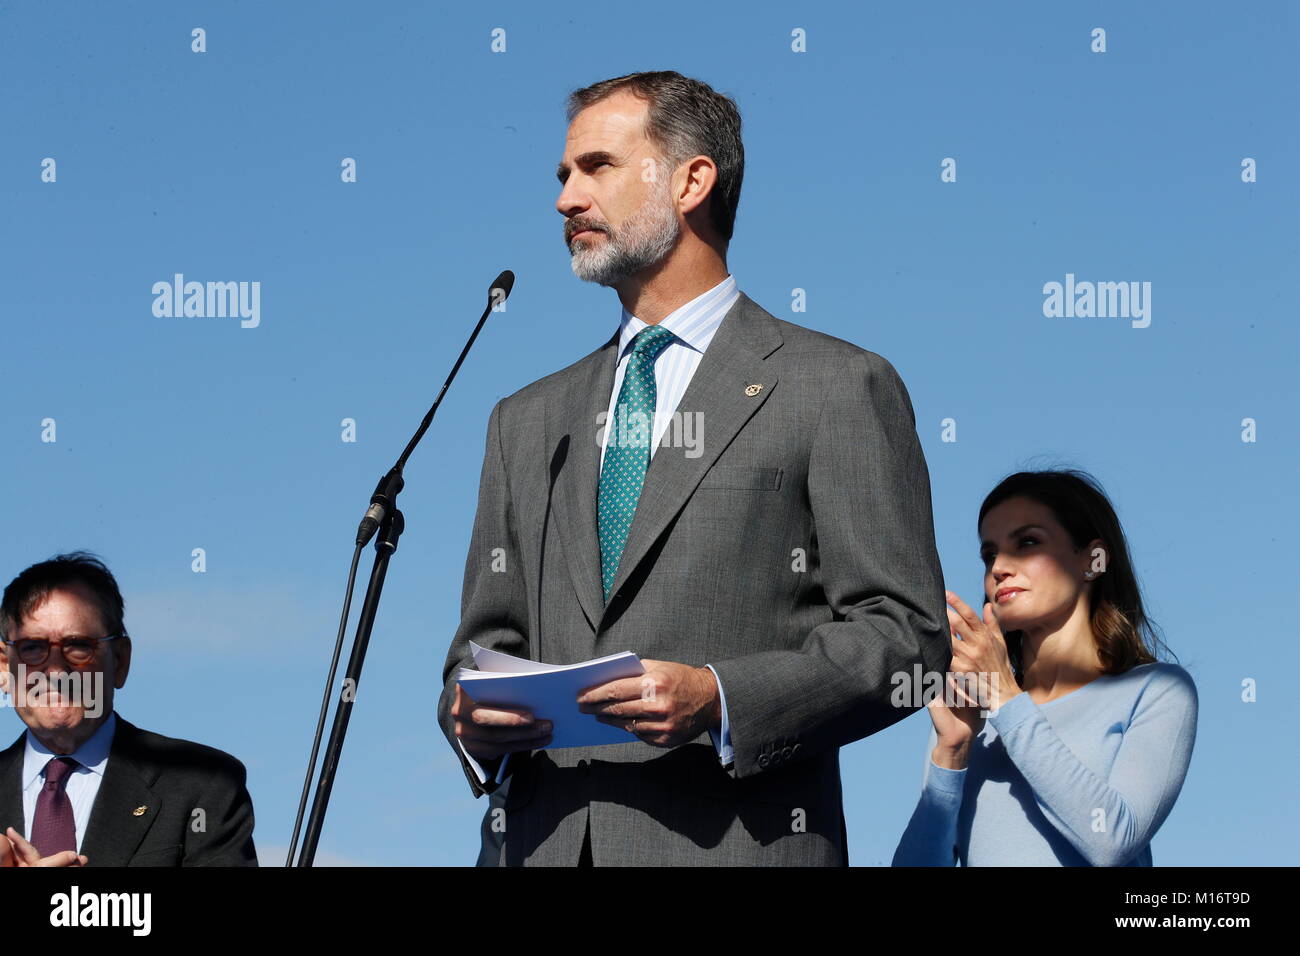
77 651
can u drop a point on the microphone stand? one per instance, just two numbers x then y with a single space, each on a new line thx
384 519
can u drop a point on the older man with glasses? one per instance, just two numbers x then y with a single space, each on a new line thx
82 786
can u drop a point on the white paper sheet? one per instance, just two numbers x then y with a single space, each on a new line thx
550 692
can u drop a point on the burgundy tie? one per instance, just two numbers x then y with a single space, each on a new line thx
54 829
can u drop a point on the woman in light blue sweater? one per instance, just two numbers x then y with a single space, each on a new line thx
1088 736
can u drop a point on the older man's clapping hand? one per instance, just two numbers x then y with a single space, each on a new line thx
15 851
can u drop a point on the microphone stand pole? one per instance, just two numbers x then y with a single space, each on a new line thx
383 517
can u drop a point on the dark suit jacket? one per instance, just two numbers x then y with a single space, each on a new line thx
795 553
170 779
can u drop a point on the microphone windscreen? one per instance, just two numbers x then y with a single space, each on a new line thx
505 282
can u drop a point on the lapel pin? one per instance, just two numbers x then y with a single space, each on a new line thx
139 811
752 390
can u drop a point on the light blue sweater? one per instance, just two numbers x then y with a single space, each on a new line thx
1083 780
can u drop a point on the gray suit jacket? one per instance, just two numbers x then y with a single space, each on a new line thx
795 554
144 811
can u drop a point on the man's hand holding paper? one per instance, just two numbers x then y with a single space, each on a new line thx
671 704
500 705
488 732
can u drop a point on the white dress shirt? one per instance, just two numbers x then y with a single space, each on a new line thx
83 782
693 326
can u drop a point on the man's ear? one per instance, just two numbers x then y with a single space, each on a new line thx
121 661
699 177
5 677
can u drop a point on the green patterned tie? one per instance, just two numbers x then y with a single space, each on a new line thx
627 448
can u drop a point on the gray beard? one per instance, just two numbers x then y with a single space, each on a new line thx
643 241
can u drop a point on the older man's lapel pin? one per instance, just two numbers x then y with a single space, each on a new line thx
139 811
752 390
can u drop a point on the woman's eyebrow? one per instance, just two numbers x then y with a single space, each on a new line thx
986 543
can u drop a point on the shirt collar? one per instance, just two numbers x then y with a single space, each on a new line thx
693 323
92 755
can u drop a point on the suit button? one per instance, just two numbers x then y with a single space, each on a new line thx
763 760
787 753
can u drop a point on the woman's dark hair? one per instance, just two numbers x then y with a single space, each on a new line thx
685 118
29 590
1125 636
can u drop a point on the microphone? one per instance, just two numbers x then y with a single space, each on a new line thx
384 518
389 485
505 282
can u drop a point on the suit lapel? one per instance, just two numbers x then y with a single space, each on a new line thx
733 361
117 823
11 786
571 425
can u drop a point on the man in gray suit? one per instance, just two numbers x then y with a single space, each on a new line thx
740 500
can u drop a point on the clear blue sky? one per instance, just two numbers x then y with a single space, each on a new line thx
175 433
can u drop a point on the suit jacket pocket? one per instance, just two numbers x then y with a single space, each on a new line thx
741 478
162 856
